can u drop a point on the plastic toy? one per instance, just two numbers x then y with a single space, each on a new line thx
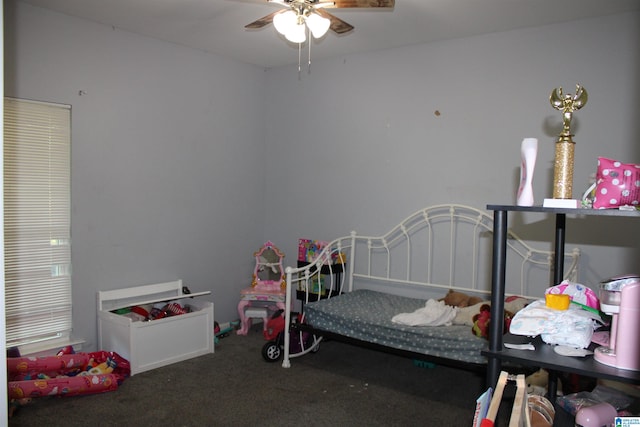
300 342
482 319
222 333
267 288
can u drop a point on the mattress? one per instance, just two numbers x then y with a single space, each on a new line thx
366 315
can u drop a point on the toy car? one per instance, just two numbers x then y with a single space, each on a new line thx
300 342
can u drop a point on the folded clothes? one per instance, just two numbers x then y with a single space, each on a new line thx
572 327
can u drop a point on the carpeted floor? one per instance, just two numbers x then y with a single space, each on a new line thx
340 385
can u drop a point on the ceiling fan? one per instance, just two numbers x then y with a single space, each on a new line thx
290 21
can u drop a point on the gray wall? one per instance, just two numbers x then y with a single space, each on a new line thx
179 173
364 147
168 151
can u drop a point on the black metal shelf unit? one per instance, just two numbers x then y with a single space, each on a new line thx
543 356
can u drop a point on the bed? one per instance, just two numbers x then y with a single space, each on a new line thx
356 284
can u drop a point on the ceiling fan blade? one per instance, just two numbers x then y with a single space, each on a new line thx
363 3
337 25
265 20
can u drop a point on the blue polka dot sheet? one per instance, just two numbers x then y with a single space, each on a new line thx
366 315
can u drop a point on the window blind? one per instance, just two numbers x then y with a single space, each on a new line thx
37 163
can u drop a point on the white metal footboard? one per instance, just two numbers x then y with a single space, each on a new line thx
433 250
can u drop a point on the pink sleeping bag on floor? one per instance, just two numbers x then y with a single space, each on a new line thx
66 374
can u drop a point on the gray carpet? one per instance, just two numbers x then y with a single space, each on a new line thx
341 385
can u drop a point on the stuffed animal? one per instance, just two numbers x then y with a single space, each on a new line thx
482 320
464 315
538 381
515 303
459 299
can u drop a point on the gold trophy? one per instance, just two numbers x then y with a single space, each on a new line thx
563 164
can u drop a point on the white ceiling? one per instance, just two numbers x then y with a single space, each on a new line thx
217 26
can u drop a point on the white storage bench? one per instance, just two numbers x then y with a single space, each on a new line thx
151 344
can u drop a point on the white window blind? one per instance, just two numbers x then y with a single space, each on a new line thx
37 151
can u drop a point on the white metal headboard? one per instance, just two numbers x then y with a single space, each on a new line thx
434 237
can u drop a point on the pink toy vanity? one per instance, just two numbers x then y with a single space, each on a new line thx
267 290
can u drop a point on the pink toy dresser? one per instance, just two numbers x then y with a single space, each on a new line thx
267 291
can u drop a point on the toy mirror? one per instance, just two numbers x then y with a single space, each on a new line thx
268 269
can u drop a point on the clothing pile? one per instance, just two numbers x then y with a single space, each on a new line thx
573 326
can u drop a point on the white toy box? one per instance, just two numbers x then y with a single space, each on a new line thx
152 344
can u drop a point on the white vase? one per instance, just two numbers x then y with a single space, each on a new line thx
529 152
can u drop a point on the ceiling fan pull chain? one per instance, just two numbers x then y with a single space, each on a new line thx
309 58
299 57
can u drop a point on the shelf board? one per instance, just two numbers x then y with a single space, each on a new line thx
544 357
567 211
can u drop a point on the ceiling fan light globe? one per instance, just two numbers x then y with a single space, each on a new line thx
284 22
296 34
318 25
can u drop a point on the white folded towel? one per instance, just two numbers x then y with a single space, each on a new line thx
434 313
